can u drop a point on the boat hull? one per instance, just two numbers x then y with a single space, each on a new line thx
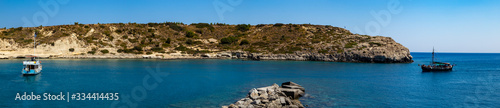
436 69
31 72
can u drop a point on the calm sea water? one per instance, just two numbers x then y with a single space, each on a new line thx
474 82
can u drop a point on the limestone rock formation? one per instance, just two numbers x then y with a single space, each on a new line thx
273 96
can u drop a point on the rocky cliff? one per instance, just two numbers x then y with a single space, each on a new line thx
202 40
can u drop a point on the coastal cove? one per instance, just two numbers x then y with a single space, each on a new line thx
218 82
173 40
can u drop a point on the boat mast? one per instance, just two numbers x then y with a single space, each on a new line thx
34 45
432 55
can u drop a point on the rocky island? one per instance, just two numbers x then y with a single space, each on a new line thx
173 40
285 96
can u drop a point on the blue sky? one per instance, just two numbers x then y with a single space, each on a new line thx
447 25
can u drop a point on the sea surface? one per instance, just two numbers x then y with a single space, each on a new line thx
474 82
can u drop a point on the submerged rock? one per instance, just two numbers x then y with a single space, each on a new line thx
287 95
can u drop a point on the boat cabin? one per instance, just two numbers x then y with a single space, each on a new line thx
31 67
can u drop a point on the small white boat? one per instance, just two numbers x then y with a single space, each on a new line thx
33 66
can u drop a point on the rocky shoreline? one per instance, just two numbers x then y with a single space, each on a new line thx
343 57
285 96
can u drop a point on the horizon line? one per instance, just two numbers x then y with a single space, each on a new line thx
458 52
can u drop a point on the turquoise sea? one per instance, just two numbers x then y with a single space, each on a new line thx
474 82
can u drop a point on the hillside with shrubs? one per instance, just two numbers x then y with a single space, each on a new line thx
198 38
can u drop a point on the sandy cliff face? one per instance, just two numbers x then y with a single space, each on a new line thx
60 47
8 45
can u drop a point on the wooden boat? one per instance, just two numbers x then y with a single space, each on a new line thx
436 66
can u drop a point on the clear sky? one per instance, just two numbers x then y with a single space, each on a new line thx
447 25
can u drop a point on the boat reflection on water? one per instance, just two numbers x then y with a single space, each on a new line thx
32 78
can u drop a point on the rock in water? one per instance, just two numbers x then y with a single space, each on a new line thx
287 95
292 89
253 94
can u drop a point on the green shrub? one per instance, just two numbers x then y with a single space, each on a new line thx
157 49
278 24
174 26
71 49
316 41
340 51
123 44
148 53
350 45
119 31
197 42
204 25
189 42
168 41
104 51
199 31
228 40
137 48
181 48
132 40
143 41
243 27
323 51
151 30
260 43
201 25
189 51
221 24
283 38
125 37
375 43
244 42
165 45
190 34
91 52
124 50
181 39
18 29
111 38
